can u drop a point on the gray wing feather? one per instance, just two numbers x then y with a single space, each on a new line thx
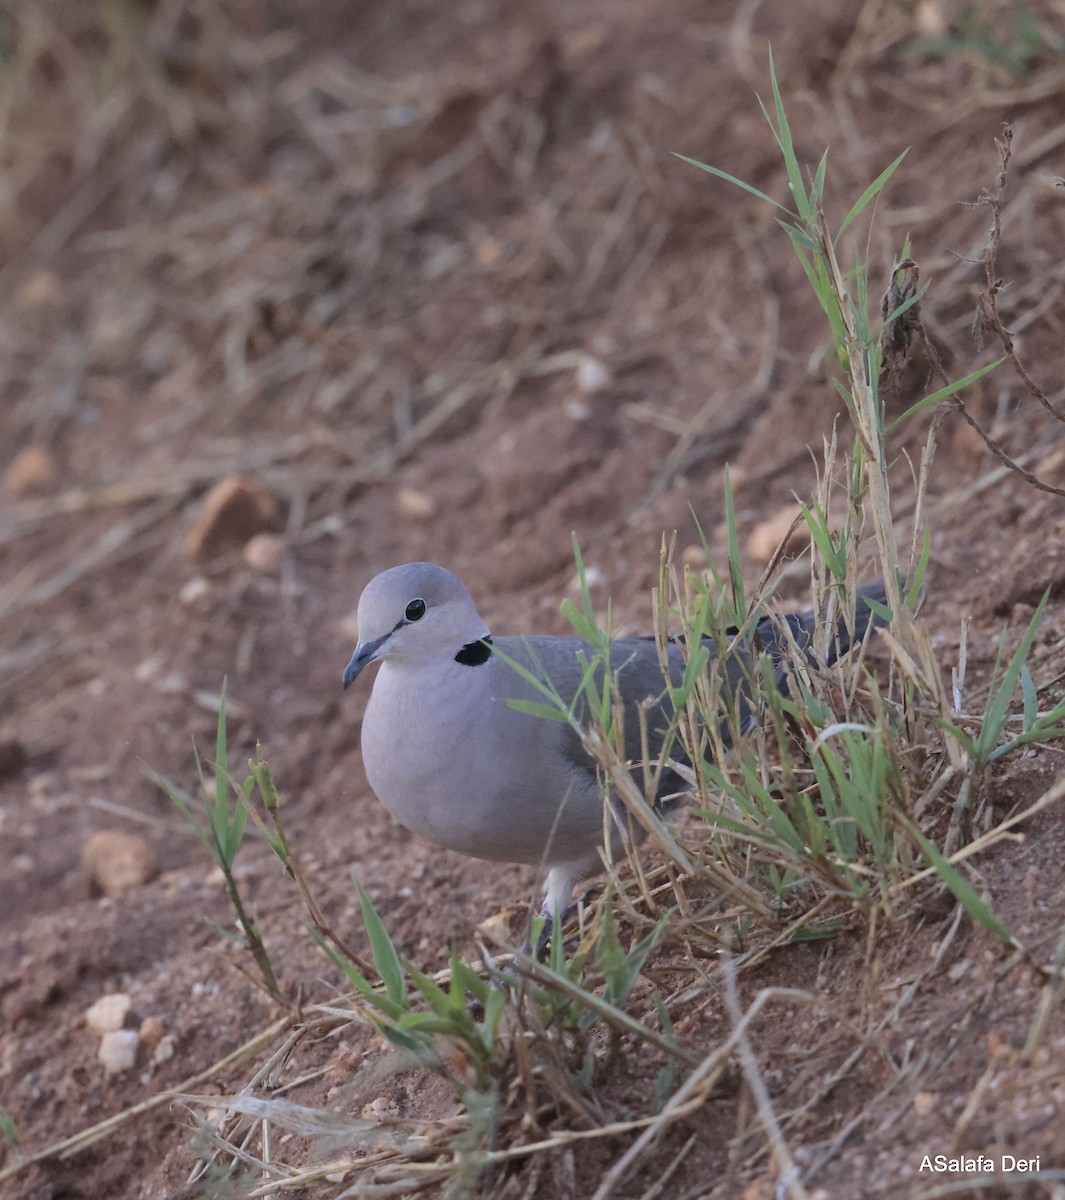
638 670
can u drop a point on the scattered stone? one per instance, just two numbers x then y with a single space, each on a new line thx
488 251
264 553
148 668
109 1012
118 862
930 19
592 375
379 1109
151 1032
233 511
165 1050
415 506
767 536
33 470
193 590
153 670
496 927
925 1103
594 577
693 556
118 1050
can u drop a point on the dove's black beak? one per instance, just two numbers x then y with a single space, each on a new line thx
365 653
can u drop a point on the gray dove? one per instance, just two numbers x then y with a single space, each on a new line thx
454 762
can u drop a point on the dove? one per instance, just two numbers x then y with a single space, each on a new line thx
452 759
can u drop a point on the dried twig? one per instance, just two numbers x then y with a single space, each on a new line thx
988 317
899 334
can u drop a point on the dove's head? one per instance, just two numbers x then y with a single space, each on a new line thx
418 612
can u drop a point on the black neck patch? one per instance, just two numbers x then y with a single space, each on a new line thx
474 654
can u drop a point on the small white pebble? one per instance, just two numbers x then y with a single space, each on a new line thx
415 506
193 589
377 1109
495 926
929 19
165 1050
109 1012
264 553
172 684
594 576
118 1050
592 376
148 668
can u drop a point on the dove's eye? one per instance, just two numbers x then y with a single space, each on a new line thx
415 610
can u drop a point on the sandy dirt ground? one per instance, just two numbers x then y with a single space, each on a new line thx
431 281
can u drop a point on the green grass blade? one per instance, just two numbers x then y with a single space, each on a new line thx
1026 739
1031 700
998 710
389 1008
907 304
872 190
782 133
735 561
221 767
817 188
958 734
385 958
913 592
534 709
943 393
1053 717
835 556
236 824
961 888
694 162
182 804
